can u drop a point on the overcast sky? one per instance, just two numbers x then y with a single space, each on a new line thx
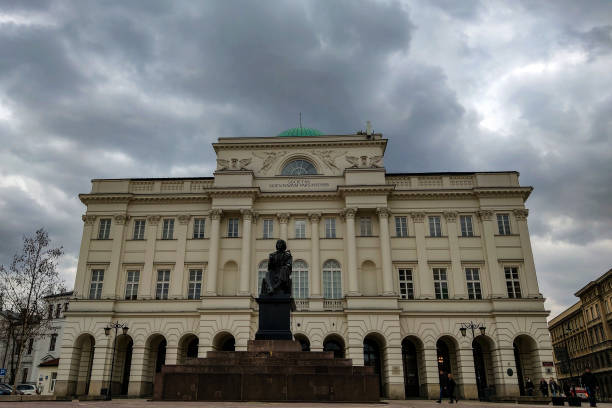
141 89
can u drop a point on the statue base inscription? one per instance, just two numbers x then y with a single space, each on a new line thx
275 318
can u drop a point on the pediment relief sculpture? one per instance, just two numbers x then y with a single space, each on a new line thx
329 157
364 161
233 164
268 159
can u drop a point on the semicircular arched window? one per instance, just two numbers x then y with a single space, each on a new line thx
298 167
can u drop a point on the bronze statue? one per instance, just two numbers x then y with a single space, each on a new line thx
278 278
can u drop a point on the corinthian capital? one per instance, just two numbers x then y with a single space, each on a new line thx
417 216
349 213
88 219
283 218
215 214
450 216
383 212
247 214
120 219
521 214
184 218
315 217
153 219
485 215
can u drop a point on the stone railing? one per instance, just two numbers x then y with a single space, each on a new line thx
333 304
432 182
169 186
302 305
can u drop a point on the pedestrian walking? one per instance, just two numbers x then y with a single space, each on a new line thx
544 387
590 384
529 386
554 387
566 389
443 385
451 388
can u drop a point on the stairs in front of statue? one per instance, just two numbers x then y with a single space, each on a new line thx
270 370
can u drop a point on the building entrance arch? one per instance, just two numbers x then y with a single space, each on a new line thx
527 361
412 359
373 349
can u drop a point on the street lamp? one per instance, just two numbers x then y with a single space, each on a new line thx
568 329
107 331
473 326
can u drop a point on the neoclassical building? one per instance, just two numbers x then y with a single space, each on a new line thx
387 268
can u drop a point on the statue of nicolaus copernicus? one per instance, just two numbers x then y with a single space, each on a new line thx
278 278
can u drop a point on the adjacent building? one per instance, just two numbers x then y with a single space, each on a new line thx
581 335
387 268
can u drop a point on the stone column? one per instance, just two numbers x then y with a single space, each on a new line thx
432 377
467 373
100 368
425 278
498 284
245 258
459 284
528 262
283 220
111 277
80 284
147 276
351 251
385 246
137 386
213 253
315 260
178 284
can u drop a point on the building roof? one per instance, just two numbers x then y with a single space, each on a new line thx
593 283
62 294
301 131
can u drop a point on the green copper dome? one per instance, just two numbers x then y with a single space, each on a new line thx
301 131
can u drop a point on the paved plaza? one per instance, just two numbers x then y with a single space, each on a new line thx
137 403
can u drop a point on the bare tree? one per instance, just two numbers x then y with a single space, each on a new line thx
31 276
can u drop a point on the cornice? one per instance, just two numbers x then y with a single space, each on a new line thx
503 191
116 198
366 189
300 144
127 197
234 192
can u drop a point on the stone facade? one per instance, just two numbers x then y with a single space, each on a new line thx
367 244
581 335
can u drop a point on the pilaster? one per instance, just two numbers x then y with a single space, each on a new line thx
498 285
425 280
385 246
283 221
145 287
351 251
528 262
213 253
177 282
459 284
81 278
111 277
315 263
245 255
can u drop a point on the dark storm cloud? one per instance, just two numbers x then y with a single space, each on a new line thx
141 89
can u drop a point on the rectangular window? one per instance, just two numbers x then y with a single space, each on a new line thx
300 229
466 226
52 342
104 231
232 228
435 229
163 284
168 230
198 228
58 311
365 226
268 228
503 224
401 227
50 314
406 285
472 277
30 346
95 288
131 285
139 229
195 284
330 228
440 283
512 282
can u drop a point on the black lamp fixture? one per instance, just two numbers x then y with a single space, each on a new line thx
463 331
482 330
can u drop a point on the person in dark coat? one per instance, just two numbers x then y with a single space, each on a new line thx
451 388
554 387
590 384
529 386
566 389
443 385
544 387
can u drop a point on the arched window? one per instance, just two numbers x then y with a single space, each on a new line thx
298 167
332 288
299 280
262 269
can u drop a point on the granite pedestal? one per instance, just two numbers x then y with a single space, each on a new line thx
270 370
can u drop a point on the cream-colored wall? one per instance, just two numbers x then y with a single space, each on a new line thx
345 190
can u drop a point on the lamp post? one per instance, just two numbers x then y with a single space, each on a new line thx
568 329
107 330
473 326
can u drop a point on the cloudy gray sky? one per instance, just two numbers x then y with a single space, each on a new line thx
140 89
